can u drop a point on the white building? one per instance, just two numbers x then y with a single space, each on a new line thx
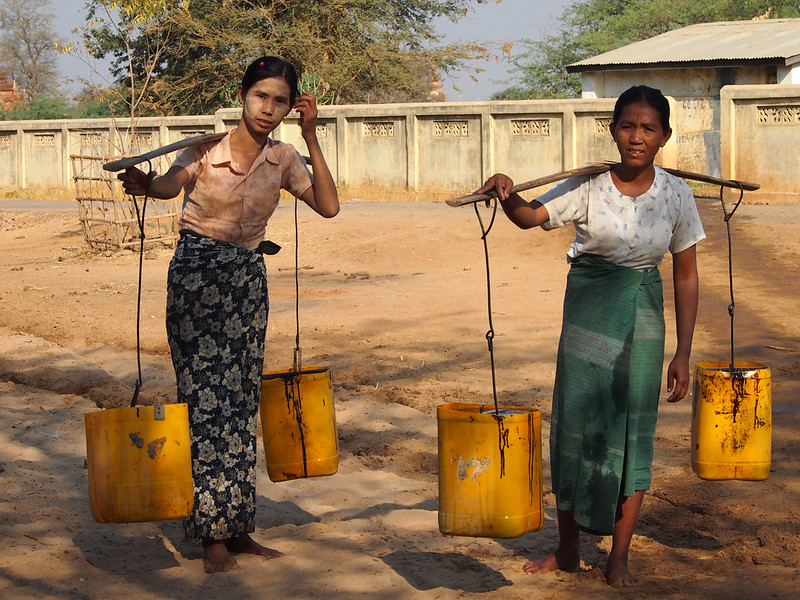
692 65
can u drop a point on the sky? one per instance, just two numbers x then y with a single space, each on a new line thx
495 23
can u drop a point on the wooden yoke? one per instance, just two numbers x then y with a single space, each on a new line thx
130 161
596 169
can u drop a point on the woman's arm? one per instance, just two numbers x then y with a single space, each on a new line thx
523 214
322 196
685 279
169 185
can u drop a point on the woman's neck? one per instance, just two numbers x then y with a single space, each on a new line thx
633 182
245 141
245 147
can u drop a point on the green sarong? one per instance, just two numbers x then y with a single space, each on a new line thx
608 380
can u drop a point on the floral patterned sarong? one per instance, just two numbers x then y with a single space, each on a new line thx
217 309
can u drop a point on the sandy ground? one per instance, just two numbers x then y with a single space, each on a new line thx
393 299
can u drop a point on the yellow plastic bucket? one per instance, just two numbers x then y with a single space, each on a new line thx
298 422
140 465
490 470
731 421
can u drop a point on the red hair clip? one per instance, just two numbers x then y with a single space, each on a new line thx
261 64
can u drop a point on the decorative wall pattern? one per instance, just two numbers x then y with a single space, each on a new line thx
142 140
377 129
602 126
91 140
451 129
44 140
530 127
779 115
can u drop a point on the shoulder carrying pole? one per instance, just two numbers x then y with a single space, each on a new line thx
130 161
596 169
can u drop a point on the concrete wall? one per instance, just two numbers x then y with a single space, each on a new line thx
761 139
37 153
430 146
442 150
455 146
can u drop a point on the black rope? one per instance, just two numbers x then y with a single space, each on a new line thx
489 334
140 221
502 432
297 352
728 215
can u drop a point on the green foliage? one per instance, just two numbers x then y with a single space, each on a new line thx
41 106
591 27
47 106
188 57
93 102
321 89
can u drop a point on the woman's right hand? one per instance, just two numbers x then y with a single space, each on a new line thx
500 183
522 213
135 182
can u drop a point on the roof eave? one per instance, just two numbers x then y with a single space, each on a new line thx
708 64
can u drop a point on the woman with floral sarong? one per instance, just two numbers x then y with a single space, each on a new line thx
217 292
611 350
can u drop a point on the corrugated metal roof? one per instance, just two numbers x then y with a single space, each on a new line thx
768 41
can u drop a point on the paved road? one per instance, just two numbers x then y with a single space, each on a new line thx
14 204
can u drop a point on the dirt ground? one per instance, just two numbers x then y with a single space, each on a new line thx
393 299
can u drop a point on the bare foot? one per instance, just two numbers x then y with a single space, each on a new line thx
618 575
560 560
216 558
244 544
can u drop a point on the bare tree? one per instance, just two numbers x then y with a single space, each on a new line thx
27 44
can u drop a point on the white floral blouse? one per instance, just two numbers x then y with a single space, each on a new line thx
631 232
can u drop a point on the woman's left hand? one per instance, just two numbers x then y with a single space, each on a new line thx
306 105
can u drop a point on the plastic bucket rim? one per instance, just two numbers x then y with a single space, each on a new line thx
292 373
724 367
483 410
96 414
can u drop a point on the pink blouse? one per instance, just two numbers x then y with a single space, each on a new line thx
223 202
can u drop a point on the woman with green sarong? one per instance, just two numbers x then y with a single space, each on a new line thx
611 350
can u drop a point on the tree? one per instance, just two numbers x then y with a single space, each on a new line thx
114 26
351 50
27 45
591 27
